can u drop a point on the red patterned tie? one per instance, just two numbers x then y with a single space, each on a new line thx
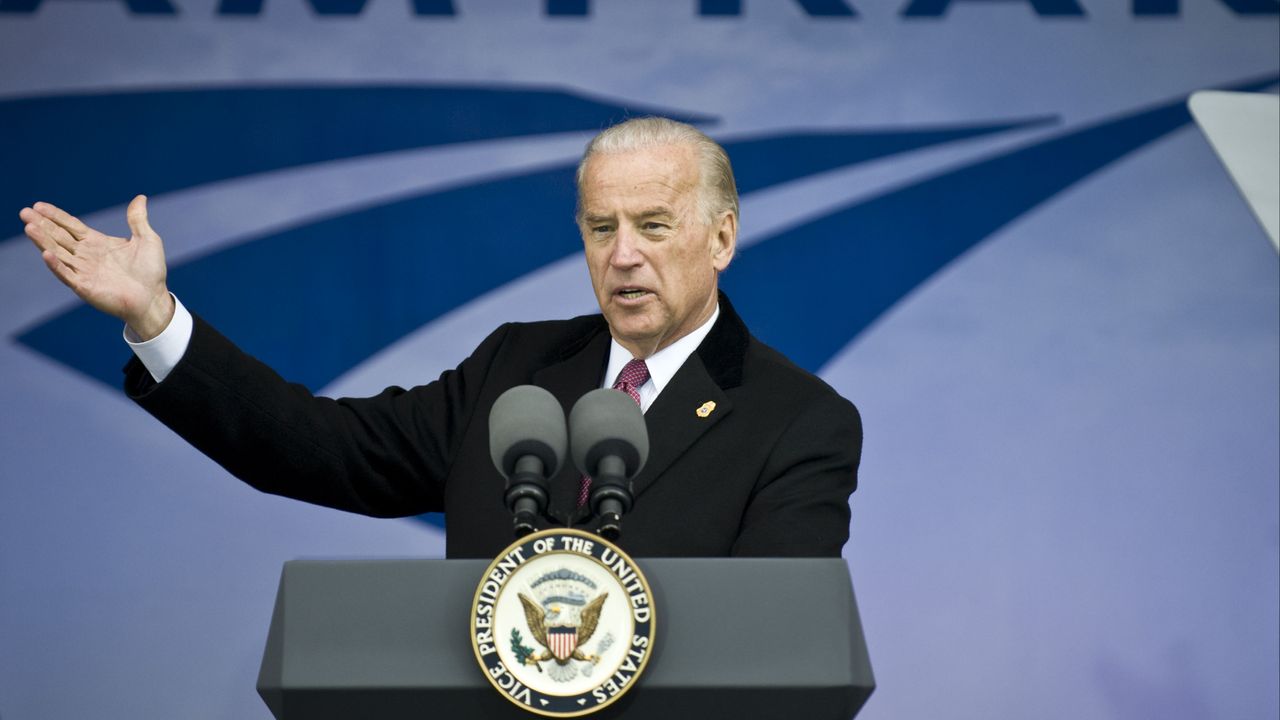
633 375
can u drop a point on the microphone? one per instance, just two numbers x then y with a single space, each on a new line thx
527 441
610 444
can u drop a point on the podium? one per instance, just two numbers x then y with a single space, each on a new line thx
741 638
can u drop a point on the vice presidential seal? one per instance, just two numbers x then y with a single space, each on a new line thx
562 623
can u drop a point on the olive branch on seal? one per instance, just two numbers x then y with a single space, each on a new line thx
521 650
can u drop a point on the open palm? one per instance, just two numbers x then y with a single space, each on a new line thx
123 277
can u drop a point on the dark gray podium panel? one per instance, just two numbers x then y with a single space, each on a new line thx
741 638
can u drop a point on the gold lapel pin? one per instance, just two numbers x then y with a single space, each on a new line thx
706 409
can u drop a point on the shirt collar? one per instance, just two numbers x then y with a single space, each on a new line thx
664 363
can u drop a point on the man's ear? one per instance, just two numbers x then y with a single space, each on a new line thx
724 241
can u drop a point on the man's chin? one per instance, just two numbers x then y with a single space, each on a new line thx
632 334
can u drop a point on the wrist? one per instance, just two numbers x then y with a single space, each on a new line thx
155 318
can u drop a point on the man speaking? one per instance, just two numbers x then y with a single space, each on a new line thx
749 455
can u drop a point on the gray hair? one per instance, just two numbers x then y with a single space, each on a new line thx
717 193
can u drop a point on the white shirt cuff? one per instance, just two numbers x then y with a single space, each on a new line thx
160 354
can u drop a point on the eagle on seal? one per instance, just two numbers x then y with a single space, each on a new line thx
536 616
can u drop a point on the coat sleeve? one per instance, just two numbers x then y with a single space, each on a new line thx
386 456
800 506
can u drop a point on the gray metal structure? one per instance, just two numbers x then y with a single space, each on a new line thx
741 638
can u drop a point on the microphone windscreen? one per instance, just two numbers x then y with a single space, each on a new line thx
527 420
608 422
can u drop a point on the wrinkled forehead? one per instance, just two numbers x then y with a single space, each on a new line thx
638 180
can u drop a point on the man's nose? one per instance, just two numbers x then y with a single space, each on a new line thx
626 249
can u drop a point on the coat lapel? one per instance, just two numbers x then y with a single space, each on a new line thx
674 421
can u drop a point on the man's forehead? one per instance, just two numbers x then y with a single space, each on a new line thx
642 181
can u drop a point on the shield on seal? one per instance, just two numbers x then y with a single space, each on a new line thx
561 640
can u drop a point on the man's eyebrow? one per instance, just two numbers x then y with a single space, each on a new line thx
646 214
655 212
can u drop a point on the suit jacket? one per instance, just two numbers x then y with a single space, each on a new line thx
768 472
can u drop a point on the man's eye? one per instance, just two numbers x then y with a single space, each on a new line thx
601 229
654 226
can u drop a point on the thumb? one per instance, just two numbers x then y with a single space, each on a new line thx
137 216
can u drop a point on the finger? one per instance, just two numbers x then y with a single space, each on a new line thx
60 270
59 253
137 216
47 235
64 220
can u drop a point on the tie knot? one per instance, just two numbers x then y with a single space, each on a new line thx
634 373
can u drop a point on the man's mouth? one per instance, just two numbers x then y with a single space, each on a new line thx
632 293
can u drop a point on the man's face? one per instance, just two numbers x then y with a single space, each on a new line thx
653 257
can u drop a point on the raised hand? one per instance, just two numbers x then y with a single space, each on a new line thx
121 277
